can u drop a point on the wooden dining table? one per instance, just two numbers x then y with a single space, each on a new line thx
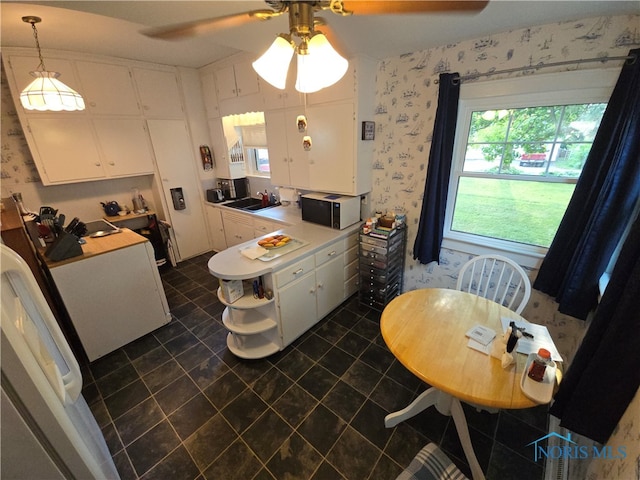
425 330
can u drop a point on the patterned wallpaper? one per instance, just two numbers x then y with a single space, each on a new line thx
16 164
406 102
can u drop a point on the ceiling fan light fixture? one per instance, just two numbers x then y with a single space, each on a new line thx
46 92
273 65
320 67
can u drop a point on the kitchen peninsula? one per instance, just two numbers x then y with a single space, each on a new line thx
301 287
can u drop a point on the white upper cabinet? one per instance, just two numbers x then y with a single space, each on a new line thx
236 80
107 89
208 81
332 156
288 160
159 93
275 98
21 65
125 146
65 149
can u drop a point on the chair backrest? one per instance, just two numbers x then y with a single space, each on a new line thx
497 278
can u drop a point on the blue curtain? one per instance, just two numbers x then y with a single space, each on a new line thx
601 205
434 202
605 373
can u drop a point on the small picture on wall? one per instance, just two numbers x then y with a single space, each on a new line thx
368 130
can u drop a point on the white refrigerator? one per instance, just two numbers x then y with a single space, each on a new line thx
47 430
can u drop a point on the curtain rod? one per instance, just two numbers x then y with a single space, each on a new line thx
473 76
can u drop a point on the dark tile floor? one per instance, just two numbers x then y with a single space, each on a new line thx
176 404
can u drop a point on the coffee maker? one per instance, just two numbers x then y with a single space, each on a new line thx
233 188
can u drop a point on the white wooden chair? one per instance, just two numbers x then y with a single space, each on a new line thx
497 278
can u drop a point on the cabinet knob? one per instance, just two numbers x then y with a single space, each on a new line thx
312 291
299 271
331 254
98 164
92 104
320 285
112 163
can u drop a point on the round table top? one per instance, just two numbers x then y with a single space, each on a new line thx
425 329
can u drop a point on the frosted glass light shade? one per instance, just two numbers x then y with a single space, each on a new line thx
321 67
273 65
46 92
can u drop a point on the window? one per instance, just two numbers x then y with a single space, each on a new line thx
517 157
258 161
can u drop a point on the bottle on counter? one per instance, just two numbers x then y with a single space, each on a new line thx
539 365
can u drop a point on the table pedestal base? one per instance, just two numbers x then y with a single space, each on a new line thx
446 405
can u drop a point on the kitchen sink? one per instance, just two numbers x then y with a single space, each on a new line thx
249 204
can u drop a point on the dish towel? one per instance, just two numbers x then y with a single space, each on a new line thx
253 252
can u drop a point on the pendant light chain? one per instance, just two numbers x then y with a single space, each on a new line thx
35 35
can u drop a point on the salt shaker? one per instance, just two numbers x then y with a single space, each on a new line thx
539 365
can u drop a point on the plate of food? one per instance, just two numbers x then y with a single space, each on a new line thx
274 241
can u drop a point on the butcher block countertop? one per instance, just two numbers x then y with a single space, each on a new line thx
98 246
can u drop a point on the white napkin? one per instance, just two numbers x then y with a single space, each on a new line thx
253 252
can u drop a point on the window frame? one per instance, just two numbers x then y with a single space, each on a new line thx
564 88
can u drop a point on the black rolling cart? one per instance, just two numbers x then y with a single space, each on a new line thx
381 266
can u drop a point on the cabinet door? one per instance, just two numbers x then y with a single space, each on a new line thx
208 82
330 285
159 93
287 158
176 164
216 228
67 149
344 89
22 65
332 156
219 147
246 79
238 227
125 145
226 83
107 89
297 307
277 146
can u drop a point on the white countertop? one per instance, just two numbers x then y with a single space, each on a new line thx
230 264
290 214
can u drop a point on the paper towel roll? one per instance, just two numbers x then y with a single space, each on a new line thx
287 194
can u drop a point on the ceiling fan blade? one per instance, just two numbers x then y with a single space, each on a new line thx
360 7
210 25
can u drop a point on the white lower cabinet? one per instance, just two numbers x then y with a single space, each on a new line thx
238 228
304 292
216 228
297 305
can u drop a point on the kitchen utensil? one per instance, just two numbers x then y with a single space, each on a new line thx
110 208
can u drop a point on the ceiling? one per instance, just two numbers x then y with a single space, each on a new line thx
113 27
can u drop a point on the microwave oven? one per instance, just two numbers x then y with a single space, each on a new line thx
335 211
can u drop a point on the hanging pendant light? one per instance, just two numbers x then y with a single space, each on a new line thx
46 92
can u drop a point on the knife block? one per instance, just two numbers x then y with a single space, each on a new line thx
64 246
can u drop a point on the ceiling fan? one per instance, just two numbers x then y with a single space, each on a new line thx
301 14
319 65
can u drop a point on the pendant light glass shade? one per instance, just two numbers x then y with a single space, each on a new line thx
320 67
46 92
273 65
